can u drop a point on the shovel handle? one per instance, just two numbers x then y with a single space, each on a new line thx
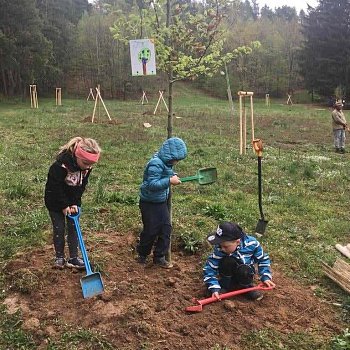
260 189
75 215
75 218
189 178
223 296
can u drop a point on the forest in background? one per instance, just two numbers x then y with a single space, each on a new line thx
75 45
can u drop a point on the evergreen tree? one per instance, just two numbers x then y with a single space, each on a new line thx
247 11
24 50
325 53
266 12
286 13
60 19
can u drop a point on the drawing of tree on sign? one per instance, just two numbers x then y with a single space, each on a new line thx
142 54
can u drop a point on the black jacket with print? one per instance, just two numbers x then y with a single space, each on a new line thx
65 184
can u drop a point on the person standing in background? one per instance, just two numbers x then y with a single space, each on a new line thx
339 126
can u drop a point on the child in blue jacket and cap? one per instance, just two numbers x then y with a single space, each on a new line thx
154 192
231 265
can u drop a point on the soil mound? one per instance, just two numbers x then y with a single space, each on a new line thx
145 304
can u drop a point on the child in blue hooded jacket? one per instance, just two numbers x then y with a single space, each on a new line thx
154 192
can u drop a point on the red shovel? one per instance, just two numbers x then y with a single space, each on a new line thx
199 307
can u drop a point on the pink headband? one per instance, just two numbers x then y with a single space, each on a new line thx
82 154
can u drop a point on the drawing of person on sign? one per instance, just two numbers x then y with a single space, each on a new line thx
142 54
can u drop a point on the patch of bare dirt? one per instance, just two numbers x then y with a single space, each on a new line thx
147 304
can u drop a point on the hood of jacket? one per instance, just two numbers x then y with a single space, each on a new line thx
172 149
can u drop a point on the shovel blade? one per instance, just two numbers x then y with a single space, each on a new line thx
207 176
261 226
91 285
194 308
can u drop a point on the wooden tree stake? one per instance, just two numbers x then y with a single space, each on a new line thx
144 98
243 119
289 100
160 98
58 97
91 93
33 96
97 99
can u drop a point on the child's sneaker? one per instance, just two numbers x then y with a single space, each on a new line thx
59 263
161 262
76 263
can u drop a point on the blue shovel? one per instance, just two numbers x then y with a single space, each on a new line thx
91 284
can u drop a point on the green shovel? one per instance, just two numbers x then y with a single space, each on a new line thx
204 176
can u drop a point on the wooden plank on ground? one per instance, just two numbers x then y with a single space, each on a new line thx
345 250
339 273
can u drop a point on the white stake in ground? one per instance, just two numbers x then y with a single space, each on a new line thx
160 98
58 97
99 98
33 96
144 98
243 120
91 93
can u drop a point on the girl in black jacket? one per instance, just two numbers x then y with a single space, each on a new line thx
66 182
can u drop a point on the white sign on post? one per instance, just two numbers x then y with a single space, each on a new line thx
143 57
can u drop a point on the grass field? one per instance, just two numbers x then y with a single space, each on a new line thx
305 184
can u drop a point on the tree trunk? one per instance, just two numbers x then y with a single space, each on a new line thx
170 133
170 119
12 83
4 81
170 106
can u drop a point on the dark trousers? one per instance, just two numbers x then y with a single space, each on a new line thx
59 224
234 274
156 229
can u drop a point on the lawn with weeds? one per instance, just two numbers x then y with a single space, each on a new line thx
305 191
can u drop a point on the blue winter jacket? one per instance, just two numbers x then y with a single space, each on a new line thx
248 252
157 173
